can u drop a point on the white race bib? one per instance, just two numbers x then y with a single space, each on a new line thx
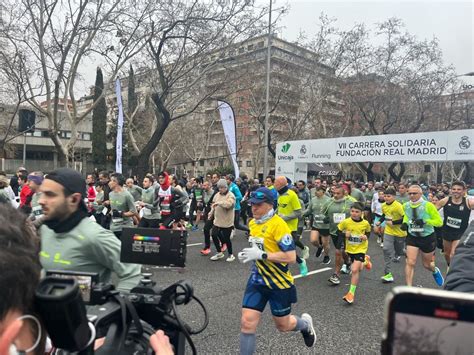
338 217
146 211
416 228
117 220
354 239
453 222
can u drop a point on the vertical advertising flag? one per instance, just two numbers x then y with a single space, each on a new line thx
228 124
118 145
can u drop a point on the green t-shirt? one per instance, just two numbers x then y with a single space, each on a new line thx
121 201
317 207
135 191
358 195
149 210
88 248
337 211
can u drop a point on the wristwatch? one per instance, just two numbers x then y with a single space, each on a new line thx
264 255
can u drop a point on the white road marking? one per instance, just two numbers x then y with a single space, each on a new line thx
193 245
313 272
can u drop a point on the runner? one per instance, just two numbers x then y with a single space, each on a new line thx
238 197
122 205
338 209
394 236
319 236
135 191
149 204
379 226
197 204
456 210
289 208
355 230
402 195
369 195
420 219
272 249
170 201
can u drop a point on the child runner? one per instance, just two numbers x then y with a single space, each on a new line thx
356 230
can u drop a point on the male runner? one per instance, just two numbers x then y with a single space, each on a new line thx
272 249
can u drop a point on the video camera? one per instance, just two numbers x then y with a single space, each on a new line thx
76 309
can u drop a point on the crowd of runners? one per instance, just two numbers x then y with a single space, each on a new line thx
407 220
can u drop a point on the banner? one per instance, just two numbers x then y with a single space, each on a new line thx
228 124
409 147
118 145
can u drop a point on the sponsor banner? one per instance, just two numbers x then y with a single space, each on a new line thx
426 146
118 145
228 124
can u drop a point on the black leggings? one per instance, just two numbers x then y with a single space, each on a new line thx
222 235
237 222
207 233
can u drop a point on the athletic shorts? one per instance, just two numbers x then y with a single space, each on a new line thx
450 236
322 231
359 257
257 296
425 244
338 241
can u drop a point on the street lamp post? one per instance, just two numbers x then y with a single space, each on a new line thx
267 95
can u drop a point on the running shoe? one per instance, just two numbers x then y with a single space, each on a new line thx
334 279
381 245
319 251
189 225
305 253
206 251
379 240
223 247
230 258
194 228
309 335
438 277
349 298
396 259
367 263
345 269
217 256
326 260
387 278
303 268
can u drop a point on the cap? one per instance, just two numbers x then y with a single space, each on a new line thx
70 179
262 194
222 183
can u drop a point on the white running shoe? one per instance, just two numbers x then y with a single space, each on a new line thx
217 256
230 258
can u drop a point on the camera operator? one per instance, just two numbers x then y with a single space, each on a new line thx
19 276
70 240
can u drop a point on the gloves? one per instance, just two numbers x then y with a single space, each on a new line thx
250 254
116 214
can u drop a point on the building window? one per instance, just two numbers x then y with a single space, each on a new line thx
249 163
86 136
201 162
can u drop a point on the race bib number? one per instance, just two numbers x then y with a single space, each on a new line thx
257 241
453 222
416 228
37 212
117 220
338 217
146 211
354 239
319 218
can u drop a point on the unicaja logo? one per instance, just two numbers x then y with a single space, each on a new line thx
286 148
464 143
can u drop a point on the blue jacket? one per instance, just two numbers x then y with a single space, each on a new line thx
238 196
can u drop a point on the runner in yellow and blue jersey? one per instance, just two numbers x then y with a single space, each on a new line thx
272 249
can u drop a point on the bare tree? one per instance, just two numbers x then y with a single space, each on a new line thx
52 39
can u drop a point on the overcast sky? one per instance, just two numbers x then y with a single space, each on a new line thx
450 21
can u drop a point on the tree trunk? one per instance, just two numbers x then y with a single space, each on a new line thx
393 174
368 170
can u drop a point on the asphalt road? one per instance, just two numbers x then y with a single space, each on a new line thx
341 328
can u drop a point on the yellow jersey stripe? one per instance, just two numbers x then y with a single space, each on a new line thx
269 275
278 274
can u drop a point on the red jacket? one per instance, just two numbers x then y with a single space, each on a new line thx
25 191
